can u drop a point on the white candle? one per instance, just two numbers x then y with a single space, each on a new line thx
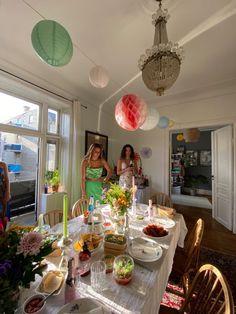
133 182
65 215
40 221
150 209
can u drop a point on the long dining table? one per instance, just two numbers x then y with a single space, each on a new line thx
145 291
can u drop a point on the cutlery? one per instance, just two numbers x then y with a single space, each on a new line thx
43 300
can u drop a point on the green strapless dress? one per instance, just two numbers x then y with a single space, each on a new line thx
93 187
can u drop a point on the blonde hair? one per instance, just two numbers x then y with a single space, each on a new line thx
90 151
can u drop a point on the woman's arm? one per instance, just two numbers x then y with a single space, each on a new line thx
108 169
135 167
83 177
119 170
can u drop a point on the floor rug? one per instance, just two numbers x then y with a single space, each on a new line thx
170 299
188 200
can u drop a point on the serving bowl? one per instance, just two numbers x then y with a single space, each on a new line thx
30 305
155 231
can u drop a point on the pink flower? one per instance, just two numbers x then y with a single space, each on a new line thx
30 244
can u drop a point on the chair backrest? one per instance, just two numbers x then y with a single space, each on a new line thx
209 293
192 246
162 199
53 217
79 207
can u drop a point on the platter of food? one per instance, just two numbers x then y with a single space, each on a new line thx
145 249
155 231
53 280
93 241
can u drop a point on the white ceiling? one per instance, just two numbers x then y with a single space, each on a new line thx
114 33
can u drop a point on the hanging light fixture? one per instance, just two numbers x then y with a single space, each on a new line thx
191 135
160 65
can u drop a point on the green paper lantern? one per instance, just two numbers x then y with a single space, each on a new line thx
52 43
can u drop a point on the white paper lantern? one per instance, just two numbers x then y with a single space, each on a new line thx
163 122
152 119
98 77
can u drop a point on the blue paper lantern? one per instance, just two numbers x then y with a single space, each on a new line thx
52 43
163 122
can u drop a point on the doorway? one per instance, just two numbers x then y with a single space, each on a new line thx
191 169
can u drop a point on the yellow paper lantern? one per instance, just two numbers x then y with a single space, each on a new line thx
180 137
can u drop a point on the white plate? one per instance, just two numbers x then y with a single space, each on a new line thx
84 305
145 250
165 222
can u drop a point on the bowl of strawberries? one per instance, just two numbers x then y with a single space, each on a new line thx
155 231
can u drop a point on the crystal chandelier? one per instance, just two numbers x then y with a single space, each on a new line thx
160 65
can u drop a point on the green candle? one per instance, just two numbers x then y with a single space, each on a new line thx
65 214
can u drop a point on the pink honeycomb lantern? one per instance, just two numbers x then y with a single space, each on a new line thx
131 112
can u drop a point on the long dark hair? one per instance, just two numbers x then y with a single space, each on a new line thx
122 155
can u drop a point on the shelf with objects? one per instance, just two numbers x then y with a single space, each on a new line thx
177 172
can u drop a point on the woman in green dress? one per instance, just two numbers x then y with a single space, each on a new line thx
91 168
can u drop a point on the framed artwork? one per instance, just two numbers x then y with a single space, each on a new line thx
191 158
92 137
205 158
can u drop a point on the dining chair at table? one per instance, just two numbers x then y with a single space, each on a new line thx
186 260
209 293
163 199
53 217
79 207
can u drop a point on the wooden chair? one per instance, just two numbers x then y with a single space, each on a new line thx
53 217
186 261
209 293
79 207
162 199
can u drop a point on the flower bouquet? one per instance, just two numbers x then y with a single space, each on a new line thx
21 251
119 199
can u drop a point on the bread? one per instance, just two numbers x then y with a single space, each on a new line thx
55 253
52 281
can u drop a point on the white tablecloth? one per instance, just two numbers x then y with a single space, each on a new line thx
142 295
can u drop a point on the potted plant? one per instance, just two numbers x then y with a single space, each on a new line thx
52 178
193 182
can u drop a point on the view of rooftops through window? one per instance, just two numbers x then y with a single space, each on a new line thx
20 152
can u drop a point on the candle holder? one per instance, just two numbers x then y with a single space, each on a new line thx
64 242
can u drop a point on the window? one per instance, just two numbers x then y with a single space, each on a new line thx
51 160
52 121
18 112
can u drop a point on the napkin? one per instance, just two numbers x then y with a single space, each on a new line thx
163 211
143 251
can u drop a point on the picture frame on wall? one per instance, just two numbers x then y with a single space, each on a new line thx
205 158
93 137
191 158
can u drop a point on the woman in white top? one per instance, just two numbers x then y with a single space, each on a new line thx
127 166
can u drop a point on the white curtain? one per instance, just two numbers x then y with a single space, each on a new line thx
76 156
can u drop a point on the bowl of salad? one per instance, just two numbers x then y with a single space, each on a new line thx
123 269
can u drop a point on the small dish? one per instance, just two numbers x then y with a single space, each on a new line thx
30 305
50 282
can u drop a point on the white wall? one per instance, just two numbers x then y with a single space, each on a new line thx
202 110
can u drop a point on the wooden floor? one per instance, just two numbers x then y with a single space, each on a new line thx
215 236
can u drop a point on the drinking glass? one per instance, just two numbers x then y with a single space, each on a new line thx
98 275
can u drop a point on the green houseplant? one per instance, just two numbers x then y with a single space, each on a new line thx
52 178
193 182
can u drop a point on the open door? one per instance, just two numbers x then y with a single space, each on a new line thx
222 176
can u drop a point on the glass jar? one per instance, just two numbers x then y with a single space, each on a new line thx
123 269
